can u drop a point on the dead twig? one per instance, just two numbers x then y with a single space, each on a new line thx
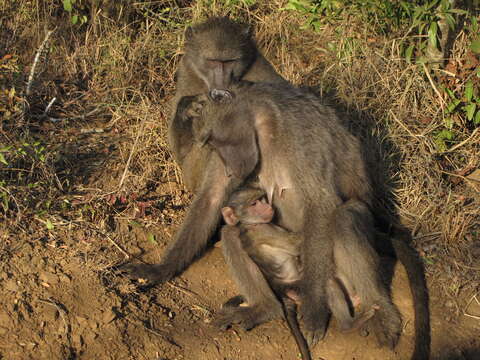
474 297
472 136
35 62
132 150
61 310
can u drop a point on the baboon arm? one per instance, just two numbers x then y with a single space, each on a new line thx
180 129
198 227
317 259
248 277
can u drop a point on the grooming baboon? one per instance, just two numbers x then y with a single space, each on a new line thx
217 52
314 171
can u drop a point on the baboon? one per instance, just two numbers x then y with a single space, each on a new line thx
277 254
216 53
275 251
314 172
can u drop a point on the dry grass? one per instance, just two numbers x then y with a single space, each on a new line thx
112 162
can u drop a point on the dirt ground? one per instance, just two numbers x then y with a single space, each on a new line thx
61 300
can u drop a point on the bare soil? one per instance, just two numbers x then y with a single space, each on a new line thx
61 300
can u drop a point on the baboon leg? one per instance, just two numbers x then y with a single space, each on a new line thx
358 263
339 305
261 303
317 261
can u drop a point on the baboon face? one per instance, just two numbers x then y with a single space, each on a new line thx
219 51
248 207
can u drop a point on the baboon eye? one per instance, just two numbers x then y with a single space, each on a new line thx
214 62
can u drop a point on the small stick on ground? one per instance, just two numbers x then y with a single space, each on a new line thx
474 297
140 131
35 62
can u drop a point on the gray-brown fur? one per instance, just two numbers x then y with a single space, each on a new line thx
339 175
217 39
276 256
314 172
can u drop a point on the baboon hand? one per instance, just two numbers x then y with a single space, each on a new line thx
315 321
155 274
247 317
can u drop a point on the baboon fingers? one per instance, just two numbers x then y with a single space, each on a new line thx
155 274
387 325
247 317
234 302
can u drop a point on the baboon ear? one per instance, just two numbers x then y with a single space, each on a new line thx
241 158
229 216
247 30
189 33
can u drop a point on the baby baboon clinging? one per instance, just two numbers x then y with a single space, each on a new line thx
276 252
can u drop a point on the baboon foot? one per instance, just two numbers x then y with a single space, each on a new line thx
315 322
247 317
387 325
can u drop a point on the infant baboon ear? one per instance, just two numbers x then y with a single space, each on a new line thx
229 216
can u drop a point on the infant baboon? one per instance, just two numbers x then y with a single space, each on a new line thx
276 252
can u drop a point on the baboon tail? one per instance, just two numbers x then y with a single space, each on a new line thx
418 288
290 310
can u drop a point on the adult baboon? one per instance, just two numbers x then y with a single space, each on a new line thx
314 172
217 52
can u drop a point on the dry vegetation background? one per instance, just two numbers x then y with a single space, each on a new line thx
87 180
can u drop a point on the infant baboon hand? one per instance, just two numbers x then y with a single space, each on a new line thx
218 95
194 109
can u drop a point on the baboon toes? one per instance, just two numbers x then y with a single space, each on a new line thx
315 325
247 317
314 336
234 301
231 315
387 326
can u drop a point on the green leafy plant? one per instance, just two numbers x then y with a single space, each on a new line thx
467 104
75 17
